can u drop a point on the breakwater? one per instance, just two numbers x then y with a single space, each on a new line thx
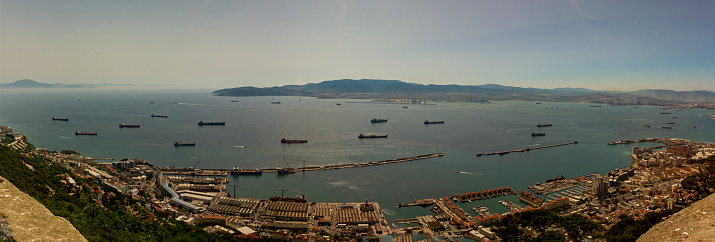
527 149
225 172
355 165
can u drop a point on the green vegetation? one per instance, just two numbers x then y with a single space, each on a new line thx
546 223
629 229
703 182
78 205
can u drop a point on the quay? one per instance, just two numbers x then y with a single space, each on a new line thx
527 149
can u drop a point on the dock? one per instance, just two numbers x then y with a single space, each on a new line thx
479 195
527 149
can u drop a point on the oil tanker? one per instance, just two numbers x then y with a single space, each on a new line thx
362 136
202 123
179 143
60 119
293 141
128 125
84 133
434 122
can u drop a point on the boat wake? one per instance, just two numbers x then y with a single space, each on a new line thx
469 173
62 137
240 146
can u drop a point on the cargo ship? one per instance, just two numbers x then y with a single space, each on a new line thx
179 143
201 123
434 122
237 171
287 170
670 123
234 101
557 178
665 113
378 120
84 133
537 134
297 199
372 136
60 119
544 125
122 125
291 141
666 127
595 106
158 116
275 102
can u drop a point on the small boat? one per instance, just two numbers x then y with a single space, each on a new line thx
238 172
234 101
670 123
694 126
538 103
338 104
361 136
275 102
537 134
595 106
202 123
675 116
434 122
179 143
293 141
544 125
158 116
378 120
151 102
647 126
60 119
84 133
122 125
405 107
665 113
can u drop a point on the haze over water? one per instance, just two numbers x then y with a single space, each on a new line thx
254 127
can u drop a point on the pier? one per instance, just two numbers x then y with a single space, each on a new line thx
471 196
527 149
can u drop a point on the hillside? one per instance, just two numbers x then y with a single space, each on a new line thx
31 221
694 223
371 88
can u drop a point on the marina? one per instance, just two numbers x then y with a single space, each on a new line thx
527 149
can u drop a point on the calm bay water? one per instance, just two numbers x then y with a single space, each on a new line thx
254 127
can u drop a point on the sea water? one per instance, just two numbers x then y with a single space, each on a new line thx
254 128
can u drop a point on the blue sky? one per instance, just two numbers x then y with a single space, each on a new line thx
602 45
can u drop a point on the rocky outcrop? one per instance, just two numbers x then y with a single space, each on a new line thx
694 223
31 221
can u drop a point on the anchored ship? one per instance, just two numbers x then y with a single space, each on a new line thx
434 122
275 102
84 133
60 119
179 143
202 123
544 125
537 134
158 116
237 171
128 125
372 136
378 120
290 141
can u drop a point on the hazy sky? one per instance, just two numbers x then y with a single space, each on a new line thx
613 45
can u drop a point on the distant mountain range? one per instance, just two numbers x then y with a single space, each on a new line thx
27 83
371 88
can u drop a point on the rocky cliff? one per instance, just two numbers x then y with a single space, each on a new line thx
31 221
694 223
